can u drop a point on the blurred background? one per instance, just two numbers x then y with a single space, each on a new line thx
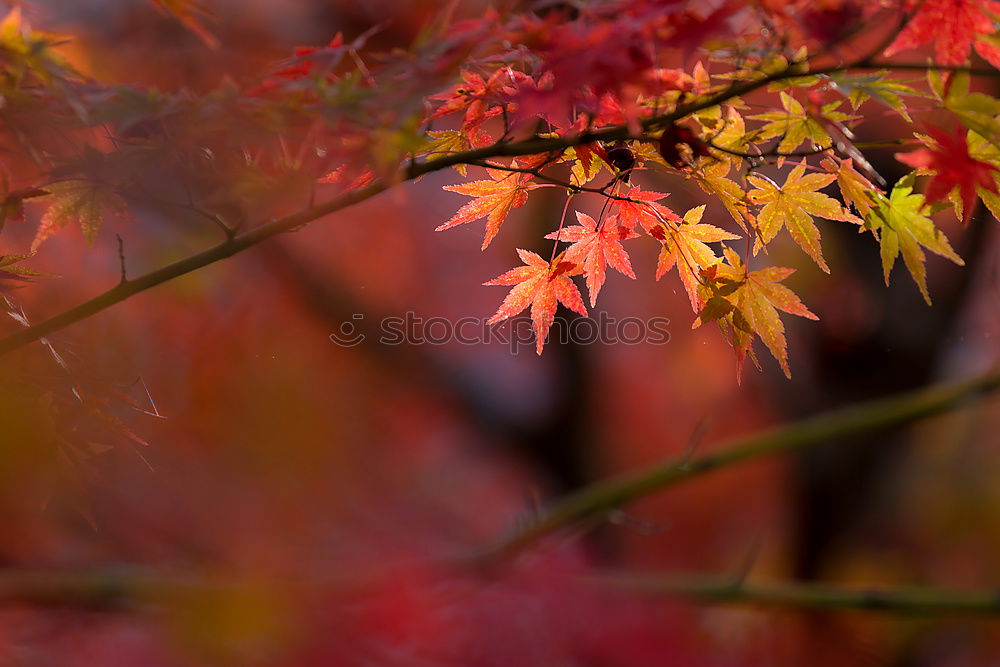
235 439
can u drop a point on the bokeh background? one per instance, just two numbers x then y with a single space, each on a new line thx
246 445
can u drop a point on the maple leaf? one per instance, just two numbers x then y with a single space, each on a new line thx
856 190
78 201
903 226
750 302
31 50
10 269
793 205
797 125
976 111
952 167
953 26
859 88
727 134
494 199
985 151
596 247
447 142
684 247
588 60
480 99
713 180
542 285
352 179
584 168
640 209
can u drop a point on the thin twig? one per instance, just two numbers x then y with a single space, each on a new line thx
121 260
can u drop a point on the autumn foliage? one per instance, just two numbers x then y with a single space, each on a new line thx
612 147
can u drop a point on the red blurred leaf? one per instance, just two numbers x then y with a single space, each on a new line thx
77 201
953 27
952 167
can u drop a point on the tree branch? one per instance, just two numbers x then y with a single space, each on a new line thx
227 248
95 589
609 494
124 590
720 590
239 242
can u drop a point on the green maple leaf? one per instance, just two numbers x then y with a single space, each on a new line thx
903 226
976 111
859 88
795 125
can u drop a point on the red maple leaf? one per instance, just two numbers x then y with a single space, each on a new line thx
953 167
480 98
494 199
952 26
541 285
596 247
641 209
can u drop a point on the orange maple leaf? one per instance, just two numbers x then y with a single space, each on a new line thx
793 205
684 247
541 285
596 247
494 199
750 302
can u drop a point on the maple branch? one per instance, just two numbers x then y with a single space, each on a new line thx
240 242
236 243
926 67
121 259
721 590
110 590
95 589
606 495
537 173
771 153
227 248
